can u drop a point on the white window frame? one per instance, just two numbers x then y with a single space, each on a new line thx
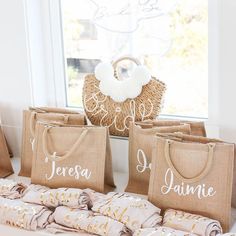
46 53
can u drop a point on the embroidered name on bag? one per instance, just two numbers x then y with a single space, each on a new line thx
201 191
143 164
77 171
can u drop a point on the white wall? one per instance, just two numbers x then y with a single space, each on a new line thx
227 70
15 73
15 92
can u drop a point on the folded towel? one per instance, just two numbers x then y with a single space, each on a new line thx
94 196
87 221
24 215
55 228
227 234
134 212
161 231
191 223
71 197
11 189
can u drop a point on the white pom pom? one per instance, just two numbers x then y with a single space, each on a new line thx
119 91
142 75
106 85
132 88
103 71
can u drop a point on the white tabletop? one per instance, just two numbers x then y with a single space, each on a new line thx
121 180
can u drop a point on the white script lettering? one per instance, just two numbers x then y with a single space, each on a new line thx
142 162
183 190
77 171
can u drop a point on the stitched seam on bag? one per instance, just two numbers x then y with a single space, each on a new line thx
228 204
130 153
104 161
35 152
153 176
23 144
6 154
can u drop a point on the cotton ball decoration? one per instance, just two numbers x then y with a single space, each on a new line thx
103 70
118 92
142 75
132 88
106 85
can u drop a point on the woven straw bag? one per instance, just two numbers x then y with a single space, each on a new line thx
103 110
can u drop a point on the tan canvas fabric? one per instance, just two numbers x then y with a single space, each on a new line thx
5 162
9 148
193 174
72 156
140 151
30 117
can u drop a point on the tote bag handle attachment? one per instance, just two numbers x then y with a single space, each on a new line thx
33 115
199 176
54 157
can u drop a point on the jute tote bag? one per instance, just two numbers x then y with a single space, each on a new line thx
5 162
141 139
72 156
30 117
112 101
194 174
197 127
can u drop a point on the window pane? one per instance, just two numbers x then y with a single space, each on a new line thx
169 36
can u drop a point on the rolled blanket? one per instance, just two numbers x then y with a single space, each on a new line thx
71 197
11 189
134 212
191 223
161 231
24 215
87 221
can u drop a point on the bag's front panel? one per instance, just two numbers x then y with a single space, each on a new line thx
140 154
5 162
103 111
84 168
27 145
210 196
197 128
28 139
109 180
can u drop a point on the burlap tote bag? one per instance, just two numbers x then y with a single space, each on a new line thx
72 156
193 174
197 127
141 139
30 117
5 162
112 101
